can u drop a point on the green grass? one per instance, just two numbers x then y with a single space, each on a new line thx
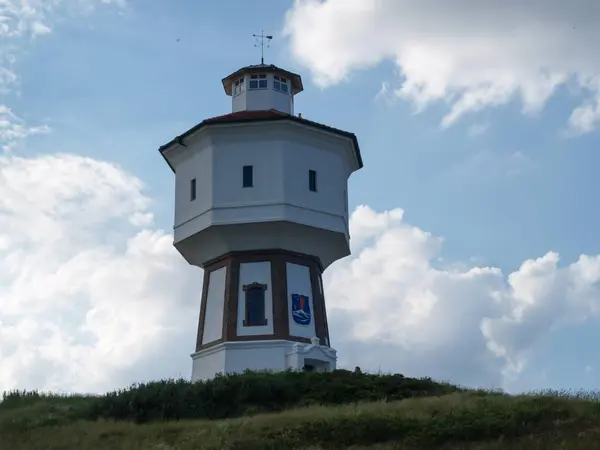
300 411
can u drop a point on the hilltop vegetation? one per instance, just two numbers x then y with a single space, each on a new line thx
299 411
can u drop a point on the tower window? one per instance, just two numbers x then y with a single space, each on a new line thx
258 81
312 180
255 305
248 176
280 84
193 189
238 86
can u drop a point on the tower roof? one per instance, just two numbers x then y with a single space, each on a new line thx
263 68
270 115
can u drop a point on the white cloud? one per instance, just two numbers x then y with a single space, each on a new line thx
13 129
87 295
471 54
393 308
92 300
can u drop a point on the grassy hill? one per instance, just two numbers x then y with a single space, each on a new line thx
299 411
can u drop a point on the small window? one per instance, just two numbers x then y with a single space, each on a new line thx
312 180
238 86
254 305
193 190
258 81
248 176
280 84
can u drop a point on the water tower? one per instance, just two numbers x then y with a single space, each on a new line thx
261 204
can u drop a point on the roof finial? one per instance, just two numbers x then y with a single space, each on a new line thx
262 41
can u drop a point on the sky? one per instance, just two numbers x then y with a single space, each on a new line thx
478 124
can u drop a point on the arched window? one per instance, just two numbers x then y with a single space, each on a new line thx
254 302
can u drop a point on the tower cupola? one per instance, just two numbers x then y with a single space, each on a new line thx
262 87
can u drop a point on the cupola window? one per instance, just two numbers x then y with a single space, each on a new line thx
280 84
238 86
258 81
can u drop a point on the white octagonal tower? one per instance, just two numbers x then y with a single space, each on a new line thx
261 204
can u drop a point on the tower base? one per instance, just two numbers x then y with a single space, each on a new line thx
272 355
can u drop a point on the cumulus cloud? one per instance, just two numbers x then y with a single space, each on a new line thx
95 297
393 306
471 54
88 296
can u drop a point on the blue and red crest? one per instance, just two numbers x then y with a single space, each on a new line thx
301 309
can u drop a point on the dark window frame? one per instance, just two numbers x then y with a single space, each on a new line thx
312 180
193 189
248 176
248 290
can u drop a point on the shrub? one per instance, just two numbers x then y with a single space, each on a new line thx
236 395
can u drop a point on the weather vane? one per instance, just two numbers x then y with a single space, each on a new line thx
262 41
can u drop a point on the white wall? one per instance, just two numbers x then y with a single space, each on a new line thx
298 282
229 160
298 159
215 301
235 357
255 272
198 164
262 99
281 159
257 356
281 154
208 365
238 102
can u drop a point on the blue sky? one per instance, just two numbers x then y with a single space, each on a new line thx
114 84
